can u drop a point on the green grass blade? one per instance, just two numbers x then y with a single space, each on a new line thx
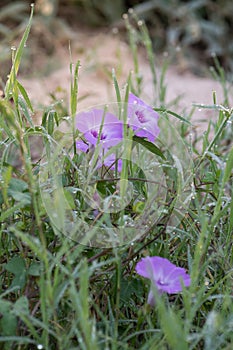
149 145
17 59
25 95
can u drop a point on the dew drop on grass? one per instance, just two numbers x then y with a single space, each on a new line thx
125 16
131 11
40 346
13 48
140 23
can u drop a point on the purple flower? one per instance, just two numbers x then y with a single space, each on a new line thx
163 274
142 118
91 124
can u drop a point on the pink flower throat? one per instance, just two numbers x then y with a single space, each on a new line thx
141 117
96 135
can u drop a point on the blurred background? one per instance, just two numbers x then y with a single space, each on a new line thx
200 29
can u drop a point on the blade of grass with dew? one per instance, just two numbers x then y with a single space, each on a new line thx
133 47
17 58
162 85
116 86
25 95
7 123
80 300
117 298
24 109
166 111
5 181
127 144
74 95
219 74
225 117
228 171
118 95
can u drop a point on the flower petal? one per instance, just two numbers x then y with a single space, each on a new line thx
92 122
82 146
166 276
142 118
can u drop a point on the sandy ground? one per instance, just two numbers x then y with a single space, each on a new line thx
99 53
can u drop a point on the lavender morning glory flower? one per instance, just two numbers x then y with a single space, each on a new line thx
142 118
165 276
91 124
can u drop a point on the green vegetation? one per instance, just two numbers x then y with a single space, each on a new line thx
56 293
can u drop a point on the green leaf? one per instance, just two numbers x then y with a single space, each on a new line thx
25 111
69 198
8 321
25 95
6 178
21 306
34 269
16 191
18 185
19 280
51 122
23 198
16 265
148 145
